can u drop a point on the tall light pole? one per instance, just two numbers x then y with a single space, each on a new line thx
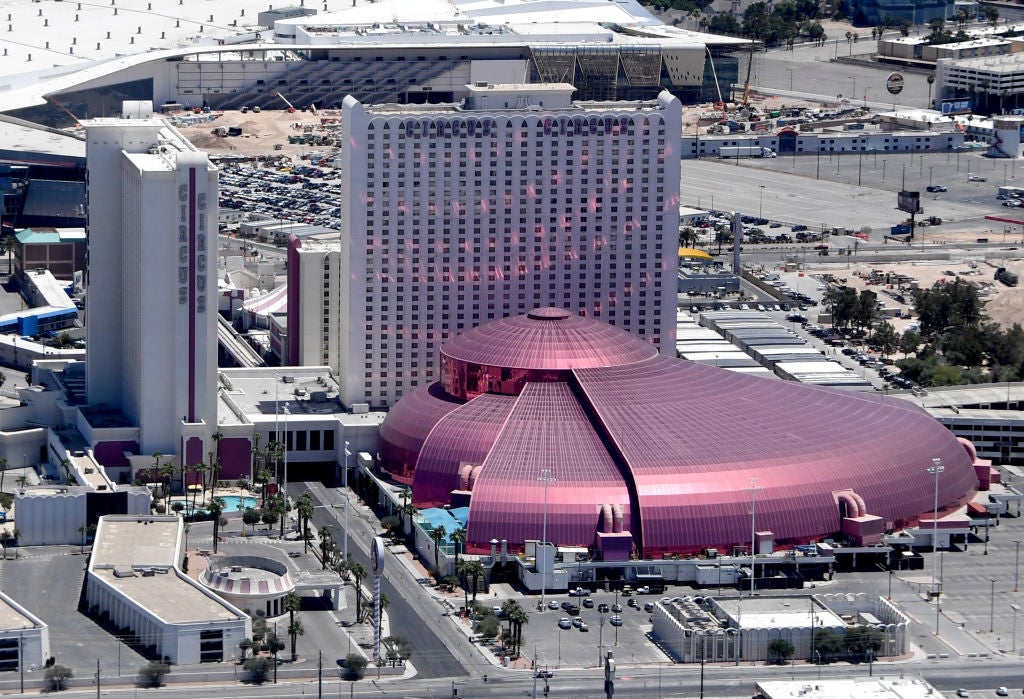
992 608
1015 609
936 468
547 479
1016 567
344 492
753 534
760 202
284 495
790 71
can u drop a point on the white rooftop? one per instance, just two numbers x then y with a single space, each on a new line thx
861 688
52 46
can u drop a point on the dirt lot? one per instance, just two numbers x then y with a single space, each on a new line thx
1004 305
262 132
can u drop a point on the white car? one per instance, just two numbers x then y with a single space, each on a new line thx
971 177
565 623
1002 692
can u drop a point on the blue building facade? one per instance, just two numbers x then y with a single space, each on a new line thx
876 12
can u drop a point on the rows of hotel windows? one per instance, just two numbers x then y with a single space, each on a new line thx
436 218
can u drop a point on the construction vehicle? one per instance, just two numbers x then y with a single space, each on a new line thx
291 107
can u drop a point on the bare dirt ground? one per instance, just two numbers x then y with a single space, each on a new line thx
1003 304
262 132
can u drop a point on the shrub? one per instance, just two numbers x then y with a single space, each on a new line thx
152 675
57 676
355 666
258 667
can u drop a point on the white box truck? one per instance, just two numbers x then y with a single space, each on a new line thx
745 152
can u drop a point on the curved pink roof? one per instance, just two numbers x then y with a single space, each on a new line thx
676 445
547 338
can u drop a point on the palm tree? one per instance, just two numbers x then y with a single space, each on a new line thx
292 604
475 570
216 507
326 535
458 538
358 572
85 530
517 616
215 462
156 465
462 570
3 472
263 477
437 535
254 450
406 508
280 506
166 473
305 511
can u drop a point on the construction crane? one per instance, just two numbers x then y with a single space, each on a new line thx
291 107
746 83
63 109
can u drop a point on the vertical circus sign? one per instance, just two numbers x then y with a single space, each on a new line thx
192 250
377 567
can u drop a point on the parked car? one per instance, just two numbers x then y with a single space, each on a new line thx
553 604
588 603
616 607
544 674
615 620
578 592
584 627
603 608
633 603
565 623
971 177
936 188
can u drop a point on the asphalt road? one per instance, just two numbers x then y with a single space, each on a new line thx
411 610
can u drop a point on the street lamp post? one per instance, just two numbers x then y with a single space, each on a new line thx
1016 567
345 493
992 608
600 639
753 534
1015 609
547 479
936 468
760 202
790 70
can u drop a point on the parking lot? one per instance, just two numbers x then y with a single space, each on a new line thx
559 647
299 193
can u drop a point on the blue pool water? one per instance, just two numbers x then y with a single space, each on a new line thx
233 503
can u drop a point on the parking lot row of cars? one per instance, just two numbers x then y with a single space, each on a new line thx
298 193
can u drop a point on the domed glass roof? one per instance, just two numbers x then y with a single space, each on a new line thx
548 338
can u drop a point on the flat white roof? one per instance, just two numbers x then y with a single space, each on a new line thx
861 688
126 544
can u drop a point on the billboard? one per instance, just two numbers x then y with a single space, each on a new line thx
909 202
961 106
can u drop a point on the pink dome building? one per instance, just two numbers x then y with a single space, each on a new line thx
651 454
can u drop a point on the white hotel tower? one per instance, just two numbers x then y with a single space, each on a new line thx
517 198
151 284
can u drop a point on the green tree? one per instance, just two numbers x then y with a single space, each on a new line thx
488 626
258 669
57 676
475 570
886 338
305 512
397 648
828 644
358 572
780 651
216 507
391 523
355 667
245 645
909 342
991 13
437 535
462 571
458 539
251 517
406 509
269 515
152 674
326 535
86 530
517 617
292 604
295 629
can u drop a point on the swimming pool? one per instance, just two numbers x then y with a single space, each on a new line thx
232 503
